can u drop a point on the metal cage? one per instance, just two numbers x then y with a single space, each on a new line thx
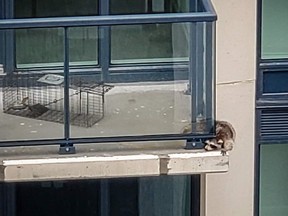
41 96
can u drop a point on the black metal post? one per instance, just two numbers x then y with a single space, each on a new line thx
210 81
68 148
195 195
9 37
199 74
104 198
104 47
193 143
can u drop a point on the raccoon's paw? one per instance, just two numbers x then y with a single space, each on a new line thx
186 129
228 145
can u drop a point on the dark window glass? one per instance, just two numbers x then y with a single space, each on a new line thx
167 195
275 82
54 8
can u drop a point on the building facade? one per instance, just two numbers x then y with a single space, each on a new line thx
251 93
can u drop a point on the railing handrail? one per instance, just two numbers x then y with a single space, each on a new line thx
107 20
209 7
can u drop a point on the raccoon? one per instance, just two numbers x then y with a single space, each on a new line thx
224 140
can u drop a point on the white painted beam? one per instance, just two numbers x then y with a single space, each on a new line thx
155 163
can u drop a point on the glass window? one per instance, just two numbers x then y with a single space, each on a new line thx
54 8
273 180
149 42
274 29
44 47
275 82
150 6
158 196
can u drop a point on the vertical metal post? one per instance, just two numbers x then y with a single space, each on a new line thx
104 47
9 39
68 148
104 198
104 58
195 195
200 73
210 84
2 33
193 73
193 82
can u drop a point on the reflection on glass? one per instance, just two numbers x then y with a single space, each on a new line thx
274 29
44 47
83 45
39 47
54 8
144 6
149 43
273 180
167 195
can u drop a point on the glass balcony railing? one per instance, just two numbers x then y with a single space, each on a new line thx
116 78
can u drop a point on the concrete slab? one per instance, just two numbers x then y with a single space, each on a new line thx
107 161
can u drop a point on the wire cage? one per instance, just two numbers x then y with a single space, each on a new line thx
41 96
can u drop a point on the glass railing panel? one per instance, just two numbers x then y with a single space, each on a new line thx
149 43
43 48
159 93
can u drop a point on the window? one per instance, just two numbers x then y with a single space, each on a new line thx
274 29
273 180
115 197
43 47
129 44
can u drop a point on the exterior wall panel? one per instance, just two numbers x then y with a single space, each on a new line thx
232 193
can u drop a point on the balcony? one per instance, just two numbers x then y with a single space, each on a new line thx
122 114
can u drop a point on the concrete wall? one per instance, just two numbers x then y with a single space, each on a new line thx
231 194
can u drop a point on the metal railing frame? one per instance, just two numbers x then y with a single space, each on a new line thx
209 17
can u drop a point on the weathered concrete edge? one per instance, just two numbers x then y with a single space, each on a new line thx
112 166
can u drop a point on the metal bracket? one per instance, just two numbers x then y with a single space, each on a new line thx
67 149
195 144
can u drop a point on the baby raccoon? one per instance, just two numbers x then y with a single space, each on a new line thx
224 140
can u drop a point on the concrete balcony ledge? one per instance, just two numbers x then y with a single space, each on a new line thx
107 161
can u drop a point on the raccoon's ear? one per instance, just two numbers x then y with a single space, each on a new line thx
218 128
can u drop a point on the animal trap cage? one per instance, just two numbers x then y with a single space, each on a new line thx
41 96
